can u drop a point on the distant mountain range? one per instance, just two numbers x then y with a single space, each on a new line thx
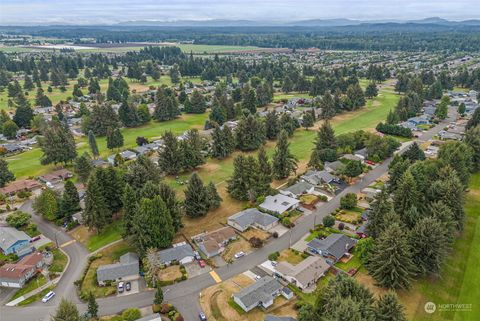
300 23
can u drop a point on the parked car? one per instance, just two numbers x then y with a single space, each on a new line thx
201 263
36 238
239 254
202 316
48 296
128 286
197 256
120 287
369 162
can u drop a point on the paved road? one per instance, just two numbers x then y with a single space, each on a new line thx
183 295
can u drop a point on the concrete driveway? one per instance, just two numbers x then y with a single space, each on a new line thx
135 288
193 269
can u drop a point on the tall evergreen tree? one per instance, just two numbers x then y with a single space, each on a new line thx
92 142
214 199
264 172
272 128
170 158
406 195
130 208
389 309
391 262
128 115
83 167
381 206
57 144
244 181
169 197
284 162
5 174
325 147
153 227
96 214
70 201
92 307
250 133
66 310
197 202
114 139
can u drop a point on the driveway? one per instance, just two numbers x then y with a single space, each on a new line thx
193 269
135 288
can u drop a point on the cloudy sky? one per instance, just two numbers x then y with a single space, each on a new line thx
19 12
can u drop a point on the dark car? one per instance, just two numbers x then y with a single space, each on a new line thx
128 286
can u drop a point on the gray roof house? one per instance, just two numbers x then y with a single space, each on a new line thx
318 177
304 274
14 241
279 203
352 157
181 253
261 293
270 317
127 268
252 217
335 246
298 189
335 166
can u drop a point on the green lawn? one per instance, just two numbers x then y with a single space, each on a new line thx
31 285
460 276
110 234
281 96
36 297
187 48
59 261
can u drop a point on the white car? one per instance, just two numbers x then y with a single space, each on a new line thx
48 296
239 254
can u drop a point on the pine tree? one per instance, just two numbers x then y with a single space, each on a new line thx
414 153
57 144
197 103
249 101
170 157
391 262
158 295
24 113
221 147
153 227
92 142
406 195
284 162
308 119
389 309
472 139
83 167
250 133
169 197
28 84
272 128
458 155
140 171
5 174
96 214
197 201
66 310
325 147
264 172
101 119
130 208
214 199
92 308
380 207
114 139
77 92
396 169
429 243
128 115
70 201
328 106
371 90
243 184
191 151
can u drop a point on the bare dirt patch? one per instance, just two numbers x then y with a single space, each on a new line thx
170 273
81 234
235 247
253 232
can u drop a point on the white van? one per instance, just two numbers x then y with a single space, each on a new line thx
48 296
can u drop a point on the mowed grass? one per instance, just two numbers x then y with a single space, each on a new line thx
187 48
460 278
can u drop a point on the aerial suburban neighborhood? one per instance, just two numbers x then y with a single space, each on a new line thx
239 161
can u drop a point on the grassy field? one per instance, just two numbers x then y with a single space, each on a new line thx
460 277
31 285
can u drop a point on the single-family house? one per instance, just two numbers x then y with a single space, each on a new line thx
261 293
151 317
15 275
56 176
445 135
334 167
334 246
352 157
279 203
304 274
362 153
318 177
13 241
180 252
213 243
126 156
370 192
98 162
126 269
252 217
419 120
270 317
298 189
14 187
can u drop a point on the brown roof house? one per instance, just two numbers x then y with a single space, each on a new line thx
20 185
213 243
17 274
56 176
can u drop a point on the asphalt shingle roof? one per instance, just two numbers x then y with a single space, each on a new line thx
176 253
128 266
261 291
252 216
10 236
335 244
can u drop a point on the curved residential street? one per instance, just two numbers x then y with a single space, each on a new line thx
183 295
